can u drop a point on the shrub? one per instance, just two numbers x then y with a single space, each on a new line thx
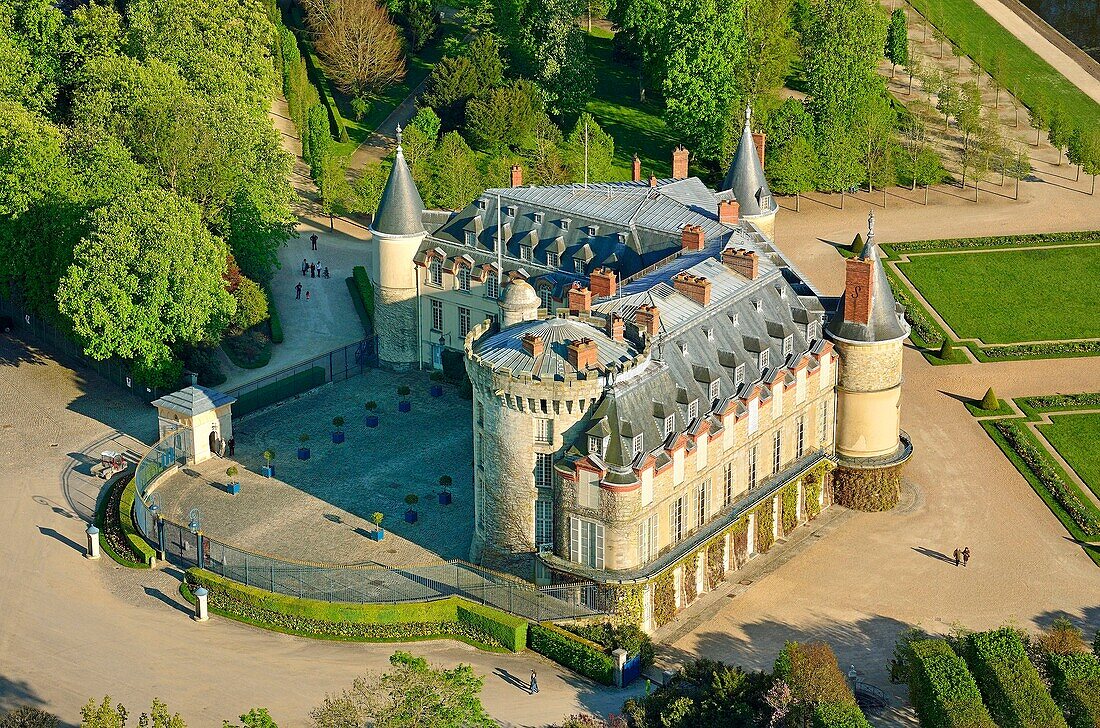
1041 351
249 350
337 422
412 499
404 391
371 406
1076 688
947 350
990 403
269 455
376 518
203 361
664 599
1009 683
273 321
436 376
303 438
942 689
857 244
867 490
612 637
839 715
137 543
569 650
252 305
445 481
506 629
365 289
1062 637
232 471
996 241
813 675
277 391
27 717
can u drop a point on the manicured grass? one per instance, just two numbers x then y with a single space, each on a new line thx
1075 437
1013 295
1016 66
975 408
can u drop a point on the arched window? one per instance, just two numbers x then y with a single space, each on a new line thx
463 278
435 272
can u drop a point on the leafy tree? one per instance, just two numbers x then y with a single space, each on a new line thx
369 187
412 694
792 168
31 161
546 160
551 50
451 84
505 116
897 40
455 179
27 717
1039 116
30 58
1060 130
1087 153
95 30
641 26
251 305
770 48
149 274
421 21
256 717
427 122
105 715
876 137
360 45
600 155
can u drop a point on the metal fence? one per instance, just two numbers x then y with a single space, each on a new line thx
186 546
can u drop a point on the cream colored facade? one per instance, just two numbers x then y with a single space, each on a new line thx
205 428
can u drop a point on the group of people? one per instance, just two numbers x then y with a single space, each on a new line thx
963 556
313 270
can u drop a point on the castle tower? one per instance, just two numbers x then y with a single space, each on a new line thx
518 303
868 330
397 232
745 182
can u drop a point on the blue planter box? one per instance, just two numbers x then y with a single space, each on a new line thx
437 390
338 437
404 406
303 453
372 420
267 470
377 535
444 498
410 516
232 488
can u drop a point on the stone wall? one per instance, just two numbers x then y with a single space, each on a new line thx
395 325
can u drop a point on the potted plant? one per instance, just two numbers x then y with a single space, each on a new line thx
372 419
410 515
379 533
445 494
437 384
303 451
232 485
268 470
404 405
338 433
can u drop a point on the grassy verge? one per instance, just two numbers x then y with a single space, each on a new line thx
1074 437
117 534
974 407
894 250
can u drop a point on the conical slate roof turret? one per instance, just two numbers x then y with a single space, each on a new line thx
886 321
745 177
401 207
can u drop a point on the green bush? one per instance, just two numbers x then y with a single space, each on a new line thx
765 521
506 629
204 362
362 296
318 139
1052 402
990 403
1009 683
867 490
137 542
857 244
248 350
612 637
996 241
278 391
942 689
839 715
1076 688
111 535
569 650
316 72
274 322
813 675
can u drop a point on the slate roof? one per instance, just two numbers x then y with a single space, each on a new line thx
745 178
887 317
193 400
504 349
401 207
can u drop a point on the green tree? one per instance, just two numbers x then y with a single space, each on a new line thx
149 274
1039 115
600 157
27 717
552 51
771 46
369 187
251 305
505 117
256 717
989 401
105 715
792 168
426 121
30 52
641 26
877 140
897 40
451 84
421 21
545 159
1060 130
455 178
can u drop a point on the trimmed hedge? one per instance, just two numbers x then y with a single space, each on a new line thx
137 542
112 537
366 289
451 617
273 320
994 241
942 689
1076 688
839 715
317 75
611 637
1055 402
1010 684
569 650
277 391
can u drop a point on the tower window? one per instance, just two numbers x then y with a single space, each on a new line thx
588 490
542 430
586 542
544 470
788 346
463 278
435 272
544 521
764 359
715 389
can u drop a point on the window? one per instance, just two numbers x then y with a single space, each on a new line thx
738 376
546 296
648 539
463 278
788 346
595 445
544 522
537 217
715 389
542 431
437 316
482 203
588 490
811 331
693 410
735 317
636 445
676 519
670 424
544 470
727 483
764 359
553 259
435 272
510 211
492 286
702 502
752 467
777 451
471 238
463 321
824 427
565 224
525 252
578 266
480 414
800 440
586 542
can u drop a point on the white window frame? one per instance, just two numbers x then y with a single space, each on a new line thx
777 451
636 444
543 431
537 217
676 520
525 252
435 272
764 359
553 259
437 315
596 444
739 376
579 266
811 331
463 321
492 289
471 238
648 539
463 278
788 346
586 542
544 470
588 490
544 522
670 424
715 389
693 410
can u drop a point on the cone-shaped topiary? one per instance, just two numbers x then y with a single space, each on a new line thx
989 401
857 244
947 350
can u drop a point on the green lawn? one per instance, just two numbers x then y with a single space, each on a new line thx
1075 437
1009 296
636 127
1017 67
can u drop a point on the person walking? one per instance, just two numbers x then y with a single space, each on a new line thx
232 446
298 292
307 295
305 266
958 554
313 240
534 682
966 555
312 271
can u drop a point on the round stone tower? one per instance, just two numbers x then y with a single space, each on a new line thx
397 232
518 303
869 329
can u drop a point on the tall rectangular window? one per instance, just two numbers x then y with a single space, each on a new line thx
588 490
586 542
546 297
525 252
492 287
824 426
738 376
670 424
752 466
435 272
544 521
463 321
715 389
702 502
727 482
542 431
648 539
676 519
788 346
800 441
544 470
693 410
463 278
636 445
553 259
777 451
437 315
471 237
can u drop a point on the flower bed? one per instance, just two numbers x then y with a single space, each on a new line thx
1076 688
942 689
995 241
1038 351
572 651
1009 682
117 534
1057 402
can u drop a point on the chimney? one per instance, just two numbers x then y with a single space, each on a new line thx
652 180
615 327
859 284
581 354
697 288
679 162
637 175
517 175
758 139
744 262
193 379
602 283
648 319
580 299
692 238
533 345
728 211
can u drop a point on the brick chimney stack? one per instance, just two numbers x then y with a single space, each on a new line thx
859 286
679 162
637 174
616 327
602 283
758 139
581 354
728 211
517 175
697 288
648 319
744 262
652 180
580 299
692 238
533 345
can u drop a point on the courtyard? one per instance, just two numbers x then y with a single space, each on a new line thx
320 510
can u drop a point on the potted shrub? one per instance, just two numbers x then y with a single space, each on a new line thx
232 485
372 419
338 432
267 469
410 515
445 494
437 384
379 533
404 405
303 451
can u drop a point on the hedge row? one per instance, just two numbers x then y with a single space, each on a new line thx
317 73
444 618
366 289
942 689
273 320
1076 688
925 331
1010 684
612 637
1041 351
146 553
839 715
576 653
994 241
1037 460
111 536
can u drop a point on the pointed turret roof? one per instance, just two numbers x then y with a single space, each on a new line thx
401 207
745 177
887 321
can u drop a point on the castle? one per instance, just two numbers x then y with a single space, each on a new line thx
658 394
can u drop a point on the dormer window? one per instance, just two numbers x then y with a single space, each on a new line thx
510 211
739 376
636 445
537 217
670 424
812 330
788 346
553 259
525 252
578 266
471 238
715 389
463 278
565 224
435 272
482 204
591 230
757 304
735 318
595 445
693 410
622 237
764 359
709 334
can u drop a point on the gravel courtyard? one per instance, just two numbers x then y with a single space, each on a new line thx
319 510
